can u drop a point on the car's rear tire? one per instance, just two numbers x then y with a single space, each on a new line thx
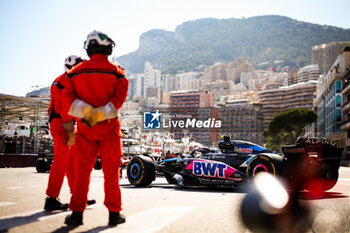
327 181
330 179
260 164
41 165
141 171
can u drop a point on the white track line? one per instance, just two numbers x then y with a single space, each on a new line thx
15 187
43 218
3 203
344 184
151 220
344 179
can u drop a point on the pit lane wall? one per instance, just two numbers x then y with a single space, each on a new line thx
17 160
19 151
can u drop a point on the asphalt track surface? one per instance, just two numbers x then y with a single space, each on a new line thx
159 208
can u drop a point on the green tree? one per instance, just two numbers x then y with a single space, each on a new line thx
287 126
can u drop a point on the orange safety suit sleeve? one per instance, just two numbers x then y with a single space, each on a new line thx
121 90
56 104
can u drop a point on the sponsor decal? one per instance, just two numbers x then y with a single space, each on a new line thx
295 150
323 141
241 149
211 169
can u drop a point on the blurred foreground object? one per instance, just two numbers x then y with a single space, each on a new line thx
268 207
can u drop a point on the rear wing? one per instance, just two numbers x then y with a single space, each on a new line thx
321 148
317 141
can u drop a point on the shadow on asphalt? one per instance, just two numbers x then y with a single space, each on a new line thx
243 189
317 196
7 223
97 229
64 229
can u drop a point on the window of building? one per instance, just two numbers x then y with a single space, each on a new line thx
338 101
338 86
338 115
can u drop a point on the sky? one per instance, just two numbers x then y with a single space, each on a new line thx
37 35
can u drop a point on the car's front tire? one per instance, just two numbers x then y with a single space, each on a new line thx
41 165
141 171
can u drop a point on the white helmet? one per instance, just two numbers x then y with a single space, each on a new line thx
98 38
71 61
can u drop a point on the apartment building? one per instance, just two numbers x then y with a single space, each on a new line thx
332 100
342 65
306 73
215 72
325 54
192 105
152 79
242 120
276 100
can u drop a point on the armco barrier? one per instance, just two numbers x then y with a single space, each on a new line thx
17 160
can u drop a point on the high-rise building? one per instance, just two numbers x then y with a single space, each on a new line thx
325 54
216 72
152 84
242 120
170 83
342 66
185 78
193 105
152 77
136 85
277 100
330 99
293 77
307 73
235 69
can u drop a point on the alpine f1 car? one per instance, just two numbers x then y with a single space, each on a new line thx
239 161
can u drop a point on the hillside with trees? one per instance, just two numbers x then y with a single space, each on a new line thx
264 41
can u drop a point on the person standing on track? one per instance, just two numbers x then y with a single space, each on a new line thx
97 89
62 131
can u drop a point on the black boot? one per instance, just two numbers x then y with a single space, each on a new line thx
52 203
76 219
115 218
91 202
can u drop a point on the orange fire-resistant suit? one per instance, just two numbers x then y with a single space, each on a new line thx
62 164
97 83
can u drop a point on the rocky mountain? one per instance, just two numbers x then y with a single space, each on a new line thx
260 40
42 92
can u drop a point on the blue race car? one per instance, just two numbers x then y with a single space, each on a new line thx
238 162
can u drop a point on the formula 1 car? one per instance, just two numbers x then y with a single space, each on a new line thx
239 161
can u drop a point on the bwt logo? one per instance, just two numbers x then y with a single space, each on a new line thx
209 169
151 120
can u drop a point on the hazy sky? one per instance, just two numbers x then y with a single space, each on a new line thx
36 36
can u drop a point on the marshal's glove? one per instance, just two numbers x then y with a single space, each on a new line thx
71 138
80 109
100 114
69 128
